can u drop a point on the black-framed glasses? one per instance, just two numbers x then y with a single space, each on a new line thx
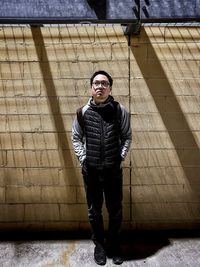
104 84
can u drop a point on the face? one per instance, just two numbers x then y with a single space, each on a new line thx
100 88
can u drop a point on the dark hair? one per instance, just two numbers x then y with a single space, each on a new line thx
102 72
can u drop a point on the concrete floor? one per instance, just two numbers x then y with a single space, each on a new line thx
148 249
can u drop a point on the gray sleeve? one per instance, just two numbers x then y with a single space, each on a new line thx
126 132
78 141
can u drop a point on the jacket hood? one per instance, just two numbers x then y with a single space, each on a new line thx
109 102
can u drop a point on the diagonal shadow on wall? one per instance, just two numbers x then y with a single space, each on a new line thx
53 102
187 150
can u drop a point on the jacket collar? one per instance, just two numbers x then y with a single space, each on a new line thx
108 101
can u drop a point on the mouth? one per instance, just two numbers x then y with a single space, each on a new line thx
99 92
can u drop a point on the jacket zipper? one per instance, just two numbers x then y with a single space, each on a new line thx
102 155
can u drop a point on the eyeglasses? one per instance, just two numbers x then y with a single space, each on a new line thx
104 84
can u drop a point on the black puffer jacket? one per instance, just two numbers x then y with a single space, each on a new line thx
102 131
101 134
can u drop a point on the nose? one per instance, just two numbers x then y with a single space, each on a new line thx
99 87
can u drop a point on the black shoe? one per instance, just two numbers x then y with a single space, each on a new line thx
117 255
99 255
117 260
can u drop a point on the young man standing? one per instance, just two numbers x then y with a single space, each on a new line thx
101 136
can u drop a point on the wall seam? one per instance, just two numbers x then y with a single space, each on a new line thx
130 165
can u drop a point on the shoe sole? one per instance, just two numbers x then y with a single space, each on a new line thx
100 262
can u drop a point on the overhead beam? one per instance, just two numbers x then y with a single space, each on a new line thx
97 11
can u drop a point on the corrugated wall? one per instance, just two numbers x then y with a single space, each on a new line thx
44 78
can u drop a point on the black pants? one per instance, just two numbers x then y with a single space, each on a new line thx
99 184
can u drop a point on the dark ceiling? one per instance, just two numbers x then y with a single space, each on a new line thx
72 11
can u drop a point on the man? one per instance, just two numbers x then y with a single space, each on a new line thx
101 136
